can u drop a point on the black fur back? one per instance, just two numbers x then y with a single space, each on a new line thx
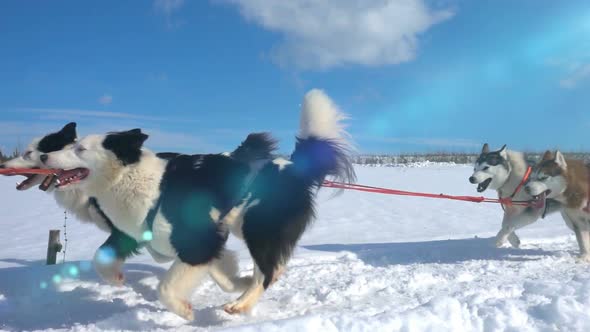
190 187
257 146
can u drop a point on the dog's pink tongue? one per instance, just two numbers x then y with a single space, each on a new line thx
539 203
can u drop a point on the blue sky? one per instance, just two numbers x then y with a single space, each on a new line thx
198 76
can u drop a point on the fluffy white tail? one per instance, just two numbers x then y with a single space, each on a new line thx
322 147
321 118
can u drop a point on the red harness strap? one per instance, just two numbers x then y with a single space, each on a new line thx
525 178
508 200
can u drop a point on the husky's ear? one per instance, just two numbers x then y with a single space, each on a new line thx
560 160
69 132
547 156
486 148
126 145
503 152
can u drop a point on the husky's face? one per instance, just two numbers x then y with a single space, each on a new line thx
31 158
548 178
96 159
491 170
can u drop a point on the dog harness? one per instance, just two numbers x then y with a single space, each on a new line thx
524 180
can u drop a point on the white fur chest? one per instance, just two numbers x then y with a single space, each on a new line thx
128 201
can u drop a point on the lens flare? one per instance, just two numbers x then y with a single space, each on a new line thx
73 271
106 256
147 236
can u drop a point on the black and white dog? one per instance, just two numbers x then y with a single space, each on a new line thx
118 247
507 172
183 207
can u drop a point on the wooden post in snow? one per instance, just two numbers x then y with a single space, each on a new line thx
53 247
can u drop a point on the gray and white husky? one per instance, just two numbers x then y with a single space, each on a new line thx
507 172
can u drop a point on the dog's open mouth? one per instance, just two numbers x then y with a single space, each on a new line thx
68 177
26 183
484 185
539 200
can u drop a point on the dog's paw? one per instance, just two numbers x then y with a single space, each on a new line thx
236 307
182 308
583 259
501 243
110 273
514 241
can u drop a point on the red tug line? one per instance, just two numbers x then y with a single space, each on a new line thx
475 199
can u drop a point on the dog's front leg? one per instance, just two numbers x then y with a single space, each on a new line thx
111 255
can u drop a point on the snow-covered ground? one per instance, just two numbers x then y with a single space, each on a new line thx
370 263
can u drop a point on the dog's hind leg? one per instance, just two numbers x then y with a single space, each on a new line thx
177 286
250 297
224 271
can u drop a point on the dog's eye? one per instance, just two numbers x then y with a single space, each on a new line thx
486 168
80 149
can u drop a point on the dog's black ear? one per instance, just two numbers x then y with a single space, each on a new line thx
69 132
548 155
58 140
126 145
486 148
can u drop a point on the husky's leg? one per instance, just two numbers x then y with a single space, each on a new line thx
177 286
583 238
512 222
224 271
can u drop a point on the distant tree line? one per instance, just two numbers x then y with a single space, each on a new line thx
442 157
5 157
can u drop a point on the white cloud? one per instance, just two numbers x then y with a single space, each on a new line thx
323 34
167 7
577 75
105 99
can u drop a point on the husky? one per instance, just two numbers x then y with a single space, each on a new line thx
184 207
507 172
568 182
